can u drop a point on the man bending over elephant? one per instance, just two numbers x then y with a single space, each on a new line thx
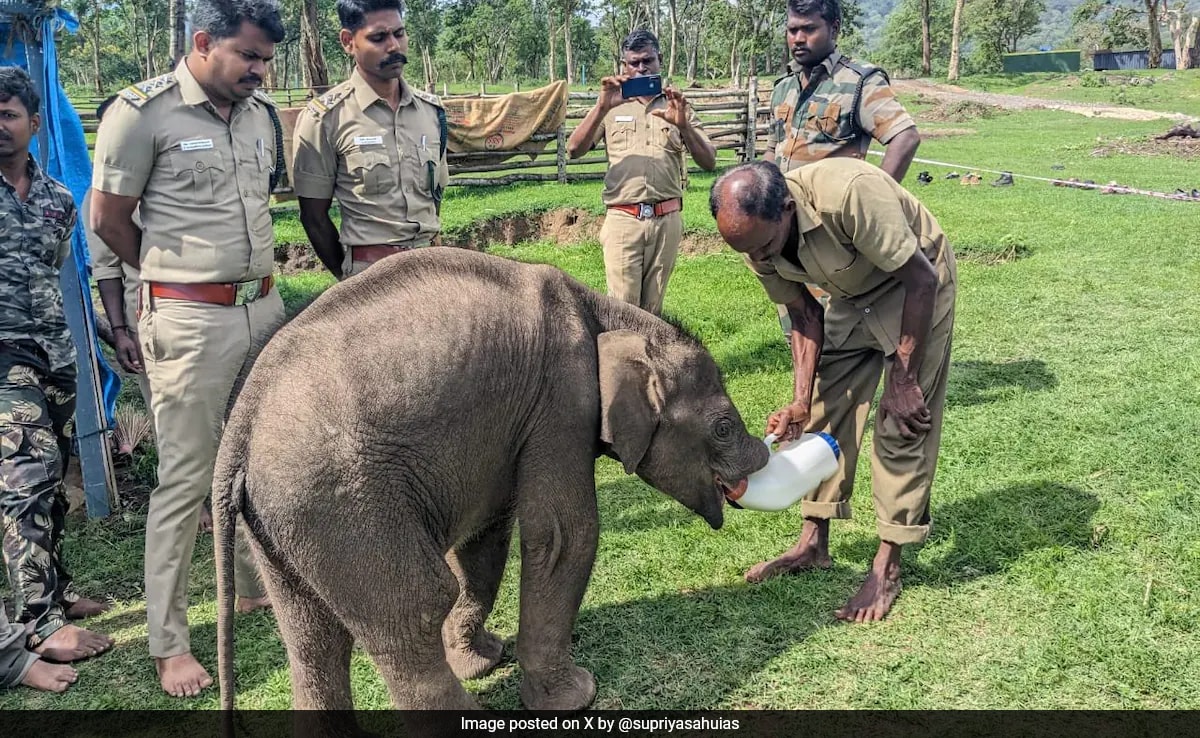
847 227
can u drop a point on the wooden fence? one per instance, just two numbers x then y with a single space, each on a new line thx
734 119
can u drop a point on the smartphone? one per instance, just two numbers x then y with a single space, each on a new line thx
647 86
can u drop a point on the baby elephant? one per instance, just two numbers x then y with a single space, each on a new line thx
387 438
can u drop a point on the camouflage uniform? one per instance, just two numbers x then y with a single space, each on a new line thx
844 106
37 398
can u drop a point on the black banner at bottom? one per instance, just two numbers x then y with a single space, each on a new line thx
599 724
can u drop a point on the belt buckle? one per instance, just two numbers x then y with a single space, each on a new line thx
247 292
645 211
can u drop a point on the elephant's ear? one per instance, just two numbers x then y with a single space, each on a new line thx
630 395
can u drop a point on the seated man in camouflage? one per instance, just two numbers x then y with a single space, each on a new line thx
37 385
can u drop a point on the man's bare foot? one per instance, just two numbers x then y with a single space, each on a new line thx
49 677
72 643
206 524
85 608
810 552
874 599
250 604
182 675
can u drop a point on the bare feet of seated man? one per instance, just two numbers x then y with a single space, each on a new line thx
72 643
86 608
47 677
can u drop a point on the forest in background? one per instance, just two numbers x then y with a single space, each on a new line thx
490 42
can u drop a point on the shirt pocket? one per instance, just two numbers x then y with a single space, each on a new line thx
371 171
828 122
668 137
621 136
200 172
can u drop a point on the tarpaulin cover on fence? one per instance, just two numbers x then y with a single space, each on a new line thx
68 160
508 122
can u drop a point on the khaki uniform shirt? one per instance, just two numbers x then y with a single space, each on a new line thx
647 159
856 226
35 241
203 182
386 168
821 120
105 264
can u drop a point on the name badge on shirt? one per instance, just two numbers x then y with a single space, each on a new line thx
196 144
623 119
368 140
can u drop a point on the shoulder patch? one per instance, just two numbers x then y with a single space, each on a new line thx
264 97
426 96
321 105
862 70
139 94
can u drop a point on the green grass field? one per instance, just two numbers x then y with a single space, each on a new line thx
1064 568
1165 90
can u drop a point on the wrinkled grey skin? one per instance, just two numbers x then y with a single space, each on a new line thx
387 438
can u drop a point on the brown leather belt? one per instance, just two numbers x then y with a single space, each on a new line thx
647 210
215 293
372 254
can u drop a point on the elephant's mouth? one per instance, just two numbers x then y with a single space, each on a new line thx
731 493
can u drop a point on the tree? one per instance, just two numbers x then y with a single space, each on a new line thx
316 74
955 41
997 27
1153 12
902 44
423 19
1184 29
926 43
177 12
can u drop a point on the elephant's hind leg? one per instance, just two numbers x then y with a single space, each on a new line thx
318 644
478 564
398 620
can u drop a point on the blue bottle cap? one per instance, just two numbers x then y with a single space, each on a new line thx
833 444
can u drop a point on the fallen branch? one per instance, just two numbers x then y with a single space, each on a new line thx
1183 130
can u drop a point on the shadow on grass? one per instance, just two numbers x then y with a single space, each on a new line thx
645 654
988 533
979 382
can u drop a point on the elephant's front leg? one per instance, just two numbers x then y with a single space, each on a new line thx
559 532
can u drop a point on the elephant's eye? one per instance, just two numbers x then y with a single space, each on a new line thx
724 428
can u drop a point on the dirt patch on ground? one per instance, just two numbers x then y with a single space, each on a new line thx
954 94
565 227
942 110
1181 148
927 133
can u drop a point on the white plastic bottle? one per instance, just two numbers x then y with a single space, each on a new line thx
794 470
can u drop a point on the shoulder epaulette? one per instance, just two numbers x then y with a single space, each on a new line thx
428 97
143 92
264 97
319 106
862 70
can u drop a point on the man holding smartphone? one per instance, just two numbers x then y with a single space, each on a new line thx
646 136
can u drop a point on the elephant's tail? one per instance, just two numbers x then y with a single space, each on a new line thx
229 490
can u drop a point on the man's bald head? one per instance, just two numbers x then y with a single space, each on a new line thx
750 202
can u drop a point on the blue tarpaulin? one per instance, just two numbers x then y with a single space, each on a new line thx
68 154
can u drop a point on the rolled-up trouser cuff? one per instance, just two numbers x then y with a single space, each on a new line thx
902 534
826 510
14 677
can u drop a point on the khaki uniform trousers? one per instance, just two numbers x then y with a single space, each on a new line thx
639 256
194 353
901 470
15 659
132 290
